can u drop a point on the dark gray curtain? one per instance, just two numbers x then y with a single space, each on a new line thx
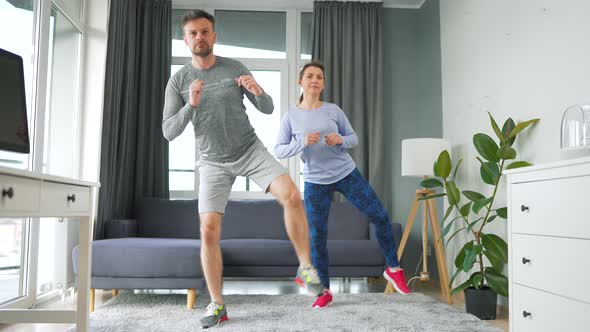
134 154
347 38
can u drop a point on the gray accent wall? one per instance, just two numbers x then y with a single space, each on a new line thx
412 101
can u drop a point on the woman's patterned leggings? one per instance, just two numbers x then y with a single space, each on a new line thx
359 193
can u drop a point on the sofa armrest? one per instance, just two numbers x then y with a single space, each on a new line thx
118 228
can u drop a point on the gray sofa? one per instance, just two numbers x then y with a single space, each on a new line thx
160 248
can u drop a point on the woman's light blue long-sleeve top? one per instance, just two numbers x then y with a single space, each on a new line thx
323 164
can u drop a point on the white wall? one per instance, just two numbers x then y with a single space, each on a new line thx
522 59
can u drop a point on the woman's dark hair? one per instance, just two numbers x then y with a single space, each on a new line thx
313 63
195 15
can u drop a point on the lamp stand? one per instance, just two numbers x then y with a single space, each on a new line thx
428 212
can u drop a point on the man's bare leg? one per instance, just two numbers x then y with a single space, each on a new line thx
211 253
289 196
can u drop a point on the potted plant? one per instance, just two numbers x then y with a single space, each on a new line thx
475 212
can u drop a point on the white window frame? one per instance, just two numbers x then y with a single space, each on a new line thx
289 69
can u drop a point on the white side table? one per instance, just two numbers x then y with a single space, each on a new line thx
27 194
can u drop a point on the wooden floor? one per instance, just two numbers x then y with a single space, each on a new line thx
271 287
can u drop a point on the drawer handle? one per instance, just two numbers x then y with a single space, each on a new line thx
525 260
524 208
525 313
72 198
8 192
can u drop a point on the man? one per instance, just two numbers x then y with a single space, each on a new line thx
209 92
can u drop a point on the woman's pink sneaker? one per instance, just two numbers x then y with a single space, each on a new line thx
323 300
398 280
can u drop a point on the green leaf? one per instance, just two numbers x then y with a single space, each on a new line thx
473 223
461 287
431 196
476 279
506 129
486 147
502 212
457 272
453 235
446 229
443 164
457 169
452 193
490 172
496 261
496 246
434 169
448 213
479 204
497 281
465 209
471 256
506 152
518 164
431 183
473 195
490 219
496 129
461 256
521 126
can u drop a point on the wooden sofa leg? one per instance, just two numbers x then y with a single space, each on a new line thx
191 298
115 292
92 299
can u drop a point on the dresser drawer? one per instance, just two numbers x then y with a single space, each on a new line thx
59 199
557 265
557 207
548 312
19 194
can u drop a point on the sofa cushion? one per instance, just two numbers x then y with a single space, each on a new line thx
258 252
355 253
346 222
253 219
164 218
251 252
145 258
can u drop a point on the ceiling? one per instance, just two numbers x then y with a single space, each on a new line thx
279 4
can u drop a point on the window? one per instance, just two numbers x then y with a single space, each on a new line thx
47 34
17 20
270 56
306 35
12 237
60 146
61 116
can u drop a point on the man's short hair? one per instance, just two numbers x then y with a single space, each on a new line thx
197 14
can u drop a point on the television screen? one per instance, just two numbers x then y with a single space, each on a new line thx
14 133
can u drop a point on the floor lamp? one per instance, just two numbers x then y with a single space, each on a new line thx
418 157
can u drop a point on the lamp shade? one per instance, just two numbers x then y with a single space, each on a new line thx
419 155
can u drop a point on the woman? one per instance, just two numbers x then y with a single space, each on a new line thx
322 133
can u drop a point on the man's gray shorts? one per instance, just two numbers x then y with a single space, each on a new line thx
217 178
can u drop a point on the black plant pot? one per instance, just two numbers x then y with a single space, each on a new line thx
481 302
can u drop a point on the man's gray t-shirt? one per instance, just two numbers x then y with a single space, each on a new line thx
222 129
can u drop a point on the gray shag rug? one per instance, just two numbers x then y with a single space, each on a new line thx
348 312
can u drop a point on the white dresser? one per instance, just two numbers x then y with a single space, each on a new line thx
26 194
549 246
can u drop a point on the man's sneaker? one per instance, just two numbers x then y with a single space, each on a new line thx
308 277
323 300
398 280
216 314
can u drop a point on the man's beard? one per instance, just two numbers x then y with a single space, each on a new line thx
202 52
